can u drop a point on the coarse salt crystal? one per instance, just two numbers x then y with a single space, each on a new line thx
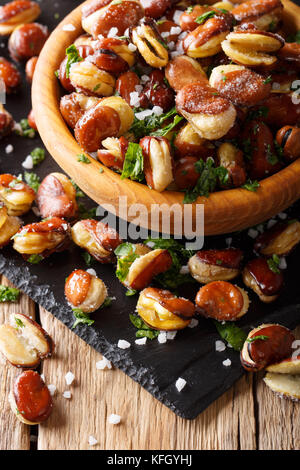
165 34
252 233
28 163
184 270
175 54
114 419
260 228
171 335
282 215
52 389
138 88
69 377
157 110
228 241
134 99
67 394
180 384
69 27
103 364
142 114
123 344
131 47
113 32
220 346
9 148
141 341
175 30
162 337
145 78
176 16
43 377
92 272
194 323
171 45
227 363
92 441
282 263
271 223
150 244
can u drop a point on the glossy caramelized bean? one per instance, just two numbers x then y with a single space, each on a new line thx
155 8
163 311
263 14
31 120
288 138
185 173
290 52
10 75
16 13
231 158
85 291
275 345
189 143
64 74
30 399
158 163
30 68
56 197
260 150
15 194
112 155
109 61
27 41
157 91
279 240
215 265
188 18
9 226
126 84
73 107
222 301
259 276
169 31
182 71
150 44
6 122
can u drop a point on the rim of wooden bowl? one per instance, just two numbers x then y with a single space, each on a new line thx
224 211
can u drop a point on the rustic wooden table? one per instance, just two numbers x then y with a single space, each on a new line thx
247 417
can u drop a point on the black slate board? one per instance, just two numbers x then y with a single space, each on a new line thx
154 366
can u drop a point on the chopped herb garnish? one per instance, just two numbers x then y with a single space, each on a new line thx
189 10
163 44
251 185
231 333
202 18
126 256
165 130
26 130
294 38
255 338
33 180
143 329
79 193
35 259
134 163
85 213
72 57
19 323
107 302
131 292
97 87
141 128
56 73
271 157
38 155
208 179
81 317
89 260
83 158
268 80
273 264
8 294
260 112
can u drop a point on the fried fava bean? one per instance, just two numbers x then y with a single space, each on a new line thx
290 52
27 41
126 84
242 86
6 122
56 197
155 8
31 120
215 265
231 158
189 143
279 240
222 301
157 92
102 17
90 80
266 283
42 238
162 310
15 194
185 173
288 138
184 70
30 68
24 343
112 117
287 366
260 150
158 163
73 107
85 291
145 267
188 18
284 385
112 155
97 238
15 13
10 76
64 69
150 44
119 47
9 226
280 110
206 39
30 399
210 115
169 31
265 345
252 48
263 14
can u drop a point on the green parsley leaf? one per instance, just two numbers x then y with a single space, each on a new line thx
251 185
268 80
89 260
33 180
35 259
38 155
189 10
79 193
255 338
134 163
125 260
202 18
207 181
141 128
165 130
72 57
273 264
81 317
8 294
150 334
131 292
143 329
271 157
231 333
19 323
294 37
107 302
26 130
83 158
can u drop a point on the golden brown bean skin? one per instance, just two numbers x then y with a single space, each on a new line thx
155 8
6 122
84 51
288 138
56 197
185 174
10 75
281 111
31 120
126 84
16 13
30 68
27 41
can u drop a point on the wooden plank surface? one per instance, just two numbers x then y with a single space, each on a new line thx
13 434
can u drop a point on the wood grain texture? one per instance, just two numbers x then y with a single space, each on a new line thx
224 211
13 434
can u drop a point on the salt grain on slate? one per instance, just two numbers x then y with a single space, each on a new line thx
28 163
162 337
227 363
123 344
92 272
180 384
220 346
141 341
9 149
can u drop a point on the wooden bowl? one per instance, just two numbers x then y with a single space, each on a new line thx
224 211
